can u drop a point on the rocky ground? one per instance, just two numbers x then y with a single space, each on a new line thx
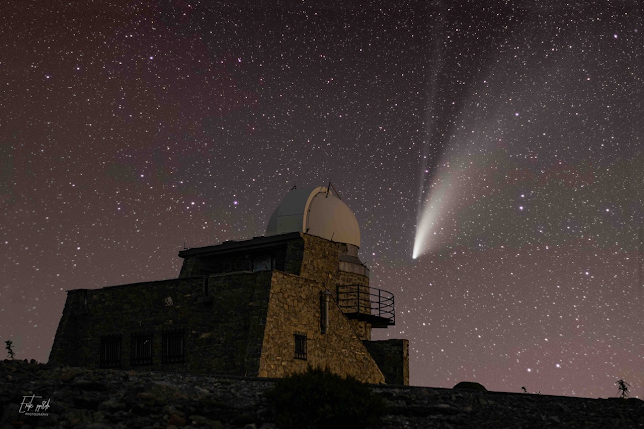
82 398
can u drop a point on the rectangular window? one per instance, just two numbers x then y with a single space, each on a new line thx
141 349
110 351
172 346
300 346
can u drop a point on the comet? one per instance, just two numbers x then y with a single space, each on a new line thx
437 213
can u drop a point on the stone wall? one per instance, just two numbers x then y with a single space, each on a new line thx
192 267
321 263
230 332
90 313
392 356
223 332
80 397
294 256
361 328
294 308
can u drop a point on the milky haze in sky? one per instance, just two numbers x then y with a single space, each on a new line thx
501 141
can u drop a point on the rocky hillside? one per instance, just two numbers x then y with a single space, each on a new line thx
79 398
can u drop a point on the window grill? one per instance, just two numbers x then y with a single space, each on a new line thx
300 345
141 349
172 346
110 351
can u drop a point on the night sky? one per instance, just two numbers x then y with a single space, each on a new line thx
510 133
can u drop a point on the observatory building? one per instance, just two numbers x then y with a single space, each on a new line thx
269 306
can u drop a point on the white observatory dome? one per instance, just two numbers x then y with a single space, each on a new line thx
317 212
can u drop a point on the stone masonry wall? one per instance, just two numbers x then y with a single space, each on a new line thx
90 313
321 262
294 307
294 256
66 348
222 332
231 338
392 356
361 328
192 267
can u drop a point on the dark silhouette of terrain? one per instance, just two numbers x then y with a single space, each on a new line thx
81 398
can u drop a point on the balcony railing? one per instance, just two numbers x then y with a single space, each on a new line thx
375 306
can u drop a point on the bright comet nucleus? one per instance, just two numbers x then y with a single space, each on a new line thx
426 233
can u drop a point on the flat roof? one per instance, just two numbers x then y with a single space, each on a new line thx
232 246
149 282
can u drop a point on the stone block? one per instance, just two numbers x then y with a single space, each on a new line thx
392 357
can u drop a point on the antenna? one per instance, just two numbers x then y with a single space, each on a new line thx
294 186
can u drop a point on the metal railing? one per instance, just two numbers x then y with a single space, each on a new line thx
364 303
